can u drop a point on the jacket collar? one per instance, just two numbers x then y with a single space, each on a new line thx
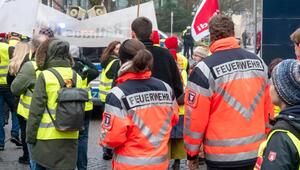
133 76
147 43
224 44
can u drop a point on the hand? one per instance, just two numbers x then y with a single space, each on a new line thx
193 164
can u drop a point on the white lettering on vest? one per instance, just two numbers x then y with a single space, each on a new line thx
237 65
149 97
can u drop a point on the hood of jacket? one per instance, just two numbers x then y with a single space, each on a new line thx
53 53
291 115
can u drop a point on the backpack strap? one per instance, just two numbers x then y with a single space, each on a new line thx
60 78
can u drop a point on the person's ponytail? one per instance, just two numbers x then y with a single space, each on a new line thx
142 61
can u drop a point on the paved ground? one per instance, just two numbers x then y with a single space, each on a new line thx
9 157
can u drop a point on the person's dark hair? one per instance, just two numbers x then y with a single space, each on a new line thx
109 51
135 51
272 65
220 27
142 27
142 61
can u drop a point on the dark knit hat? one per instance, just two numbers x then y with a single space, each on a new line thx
286 79
47 31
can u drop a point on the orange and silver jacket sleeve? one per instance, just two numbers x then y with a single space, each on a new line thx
197 109
114 123
269 109
175 116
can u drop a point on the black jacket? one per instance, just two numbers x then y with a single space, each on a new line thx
287 156
112 73
165 68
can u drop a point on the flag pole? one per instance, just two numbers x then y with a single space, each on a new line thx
138 7
255 24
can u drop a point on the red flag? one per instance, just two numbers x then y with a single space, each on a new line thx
207 9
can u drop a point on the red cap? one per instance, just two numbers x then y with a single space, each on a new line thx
3 35
155 37
171 42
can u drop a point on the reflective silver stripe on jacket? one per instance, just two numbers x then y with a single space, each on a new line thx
195 135
115 111
146 131
105 84
198 89
27 106
103 92
231 157
46 125
240 75
3 67
117 92
192 147
3 75
139 161
233 102
235 141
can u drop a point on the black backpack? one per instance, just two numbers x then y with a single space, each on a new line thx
70 105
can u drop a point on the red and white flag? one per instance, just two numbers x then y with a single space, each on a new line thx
207 9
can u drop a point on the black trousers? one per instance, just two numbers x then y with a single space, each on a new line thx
22 123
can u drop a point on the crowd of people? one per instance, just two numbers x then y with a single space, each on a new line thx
227 109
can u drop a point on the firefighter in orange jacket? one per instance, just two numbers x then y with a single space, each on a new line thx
139 113
226 103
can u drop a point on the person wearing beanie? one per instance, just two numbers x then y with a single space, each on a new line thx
281 150
200 53
51 148
155 38
139 113
47 32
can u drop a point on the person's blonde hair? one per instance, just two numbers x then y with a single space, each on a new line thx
20 52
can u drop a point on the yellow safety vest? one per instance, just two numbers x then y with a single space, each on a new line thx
4 62
105 83
277 110
184 77
89 104
182 61
47 130
263 145
25 99
13 43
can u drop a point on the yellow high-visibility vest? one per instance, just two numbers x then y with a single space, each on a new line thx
47 130
25 99
105 83
89 104
4 62
263 145
184 77
182 61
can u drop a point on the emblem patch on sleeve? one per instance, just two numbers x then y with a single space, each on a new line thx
192 98
107 121
272 156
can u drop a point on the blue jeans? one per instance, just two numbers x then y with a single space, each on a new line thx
32 162
82 159
6 96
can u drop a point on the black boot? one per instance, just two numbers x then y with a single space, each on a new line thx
24 160
176 165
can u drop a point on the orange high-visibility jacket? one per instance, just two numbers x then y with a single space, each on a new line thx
137 122
227 106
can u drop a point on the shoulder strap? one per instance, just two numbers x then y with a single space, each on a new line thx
61 80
